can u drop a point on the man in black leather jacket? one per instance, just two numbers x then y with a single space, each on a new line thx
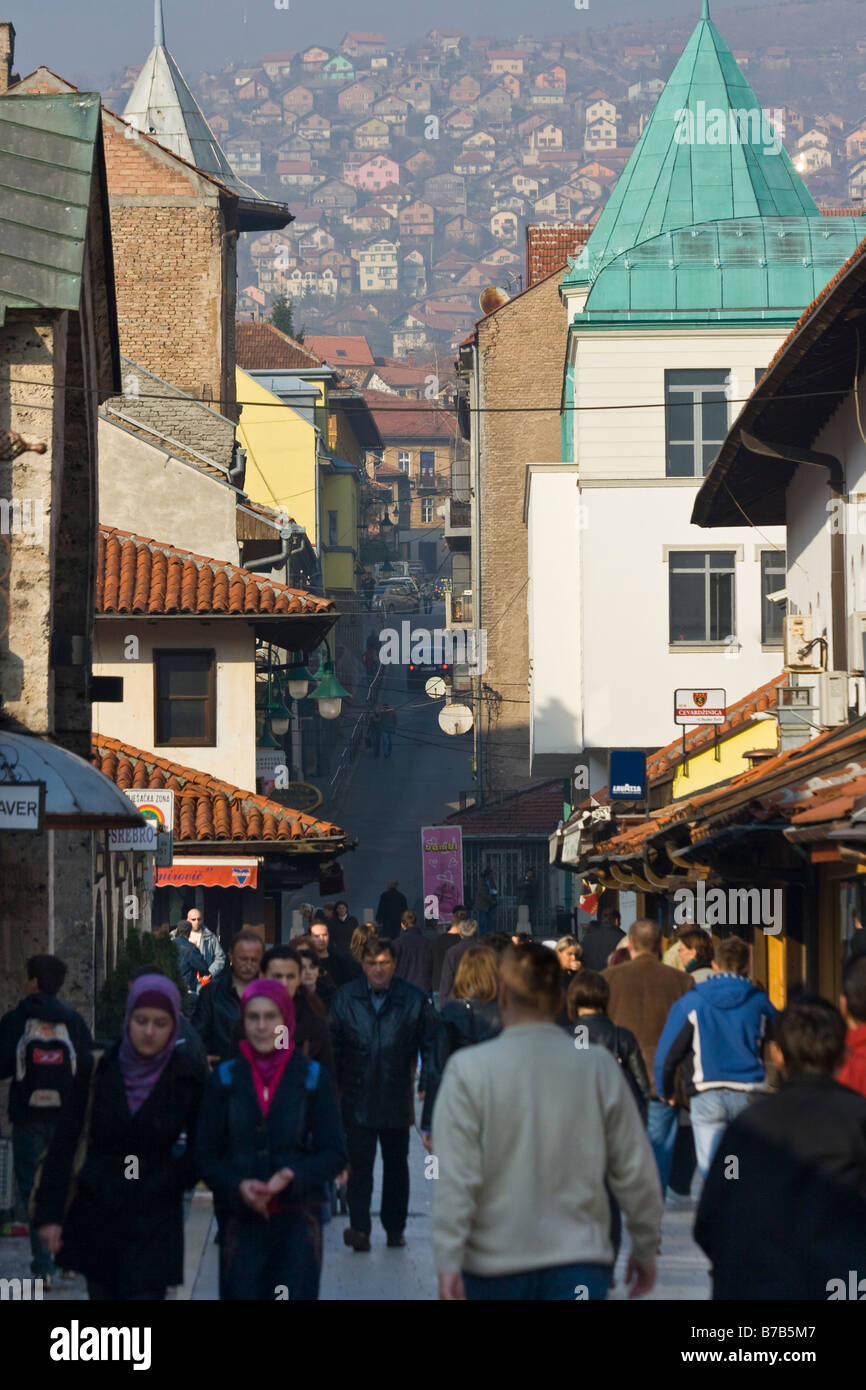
379 1026
218 1007
587 999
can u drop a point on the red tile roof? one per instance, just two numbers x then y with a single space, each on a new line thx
740 712
261 346
399 419
137 575
207 809
532 814
548 246
341 350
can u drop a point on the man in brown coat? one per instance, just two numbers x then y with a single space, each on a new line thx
642 991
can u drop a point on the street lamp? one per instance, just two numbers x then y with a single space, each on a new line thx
299 678
329 692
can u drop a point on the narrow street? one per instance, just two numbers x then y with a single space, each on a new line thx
390 799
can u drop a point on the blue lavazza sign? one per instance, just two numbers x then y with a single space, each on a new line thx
627 775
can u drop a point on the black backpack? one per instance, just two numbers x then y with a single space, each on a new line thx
45 1064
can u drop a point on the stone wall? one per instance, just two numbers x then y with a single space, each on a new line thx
522 353
170 412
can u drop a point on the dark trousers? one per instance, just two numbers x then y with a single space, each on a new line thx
278 1259
29 1143
557 1284
361 1144
103 1293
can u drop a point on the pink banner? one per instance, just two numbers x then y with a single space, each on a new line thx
441 870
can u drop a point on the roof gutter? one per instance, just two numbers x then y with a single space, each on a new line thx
790 453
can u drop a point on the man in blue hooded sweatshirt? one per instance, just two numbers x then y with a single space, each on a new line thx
717 1032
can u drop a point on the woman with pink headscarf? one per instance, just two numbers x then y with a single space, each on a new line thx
270 1139
121 1222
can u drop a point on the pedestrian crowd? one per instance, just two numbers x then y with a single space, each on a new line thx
562 1091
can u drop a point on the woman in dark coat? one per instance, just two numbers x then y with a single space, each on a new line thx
312 1034
470 1016
269 1141
124 1228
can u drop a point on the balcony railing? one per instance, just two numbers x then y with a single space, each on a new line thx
458 516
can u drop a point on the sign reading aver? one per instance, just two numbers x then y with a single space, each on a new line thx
696 706
22 805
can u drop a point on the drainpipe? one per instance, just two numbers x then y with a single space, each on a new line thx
476 559
836 483
282 558
238 467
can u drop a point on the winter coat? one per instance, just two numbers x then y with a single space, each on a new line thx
642 991
853 1072
450 966
623 1045
301 1131
795 1218
717 1031
124 1229
598 943
485 894
212 951
462 1023
439 948
191 963
341 967
392 905
12 1025
217 1013
312 1035
376 1054
342 930
414 961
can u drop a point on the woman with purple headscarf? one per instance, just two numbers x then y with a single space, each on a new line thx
120 1223
269 1141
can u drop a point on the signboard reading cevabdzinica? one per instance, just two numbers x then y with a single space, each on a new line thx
694 706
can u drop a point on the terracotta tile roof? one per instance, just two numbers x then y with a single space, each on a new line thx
205 808
398 418
261 346
531 813
339 349
741 712
549 245
137 575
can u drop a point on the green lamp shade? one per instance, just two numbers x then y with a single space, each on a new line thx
329 693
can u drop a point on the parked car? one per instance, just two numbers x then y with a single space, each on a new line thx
396 596
419 673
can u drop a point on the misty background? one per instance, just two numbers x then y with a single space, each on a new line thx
91 41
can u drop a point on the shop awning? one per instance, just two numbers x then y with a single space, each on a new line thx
76 794
187 872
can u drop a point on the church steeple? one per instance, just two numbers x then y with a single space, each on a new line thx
158 25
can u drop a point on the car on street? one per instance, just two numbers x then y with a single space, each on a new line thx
396 596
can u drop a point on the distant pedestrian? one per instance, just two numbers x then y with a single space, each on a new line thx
45 1048
716 1033
569 953
470 1016
641 994
427 595
218 1007
374 723
441 945
392 905
270 1141
782 1215
414 962
853 1006
341 926
364 932
312 1036
124 1227
315 979
389 727
340 967
527 894
207 942
485 899
601 938
525 1129
696 950
191 963
379 1027
468 937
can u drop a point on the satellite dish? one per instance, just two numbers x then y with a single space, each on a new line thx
456 719
436 688
492 298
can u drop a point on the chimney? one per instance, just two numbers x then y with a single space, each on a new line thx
7 54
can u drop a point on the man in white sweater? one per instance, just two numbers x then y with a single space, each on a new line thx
526 1129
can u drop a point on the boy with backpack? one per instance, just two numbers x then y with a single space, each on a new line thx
45 1048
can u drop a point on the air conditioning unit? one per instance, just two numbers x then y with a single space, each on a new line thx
832 699
797 634
857 643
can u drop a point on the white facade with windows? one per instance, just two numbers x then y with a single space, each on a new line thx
648 603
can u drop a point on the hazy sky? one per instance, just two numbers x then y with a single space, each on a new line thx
88 40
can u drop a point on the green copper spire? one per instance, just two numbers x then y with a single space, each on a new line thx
705 9
707 153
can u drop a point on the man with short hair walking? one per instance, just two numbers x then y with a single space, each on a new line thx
642 991
525 1129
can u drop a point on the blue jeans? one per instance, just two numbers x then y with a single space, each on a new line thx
557 1284
29 1143
711 1112
662 1124
386 742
